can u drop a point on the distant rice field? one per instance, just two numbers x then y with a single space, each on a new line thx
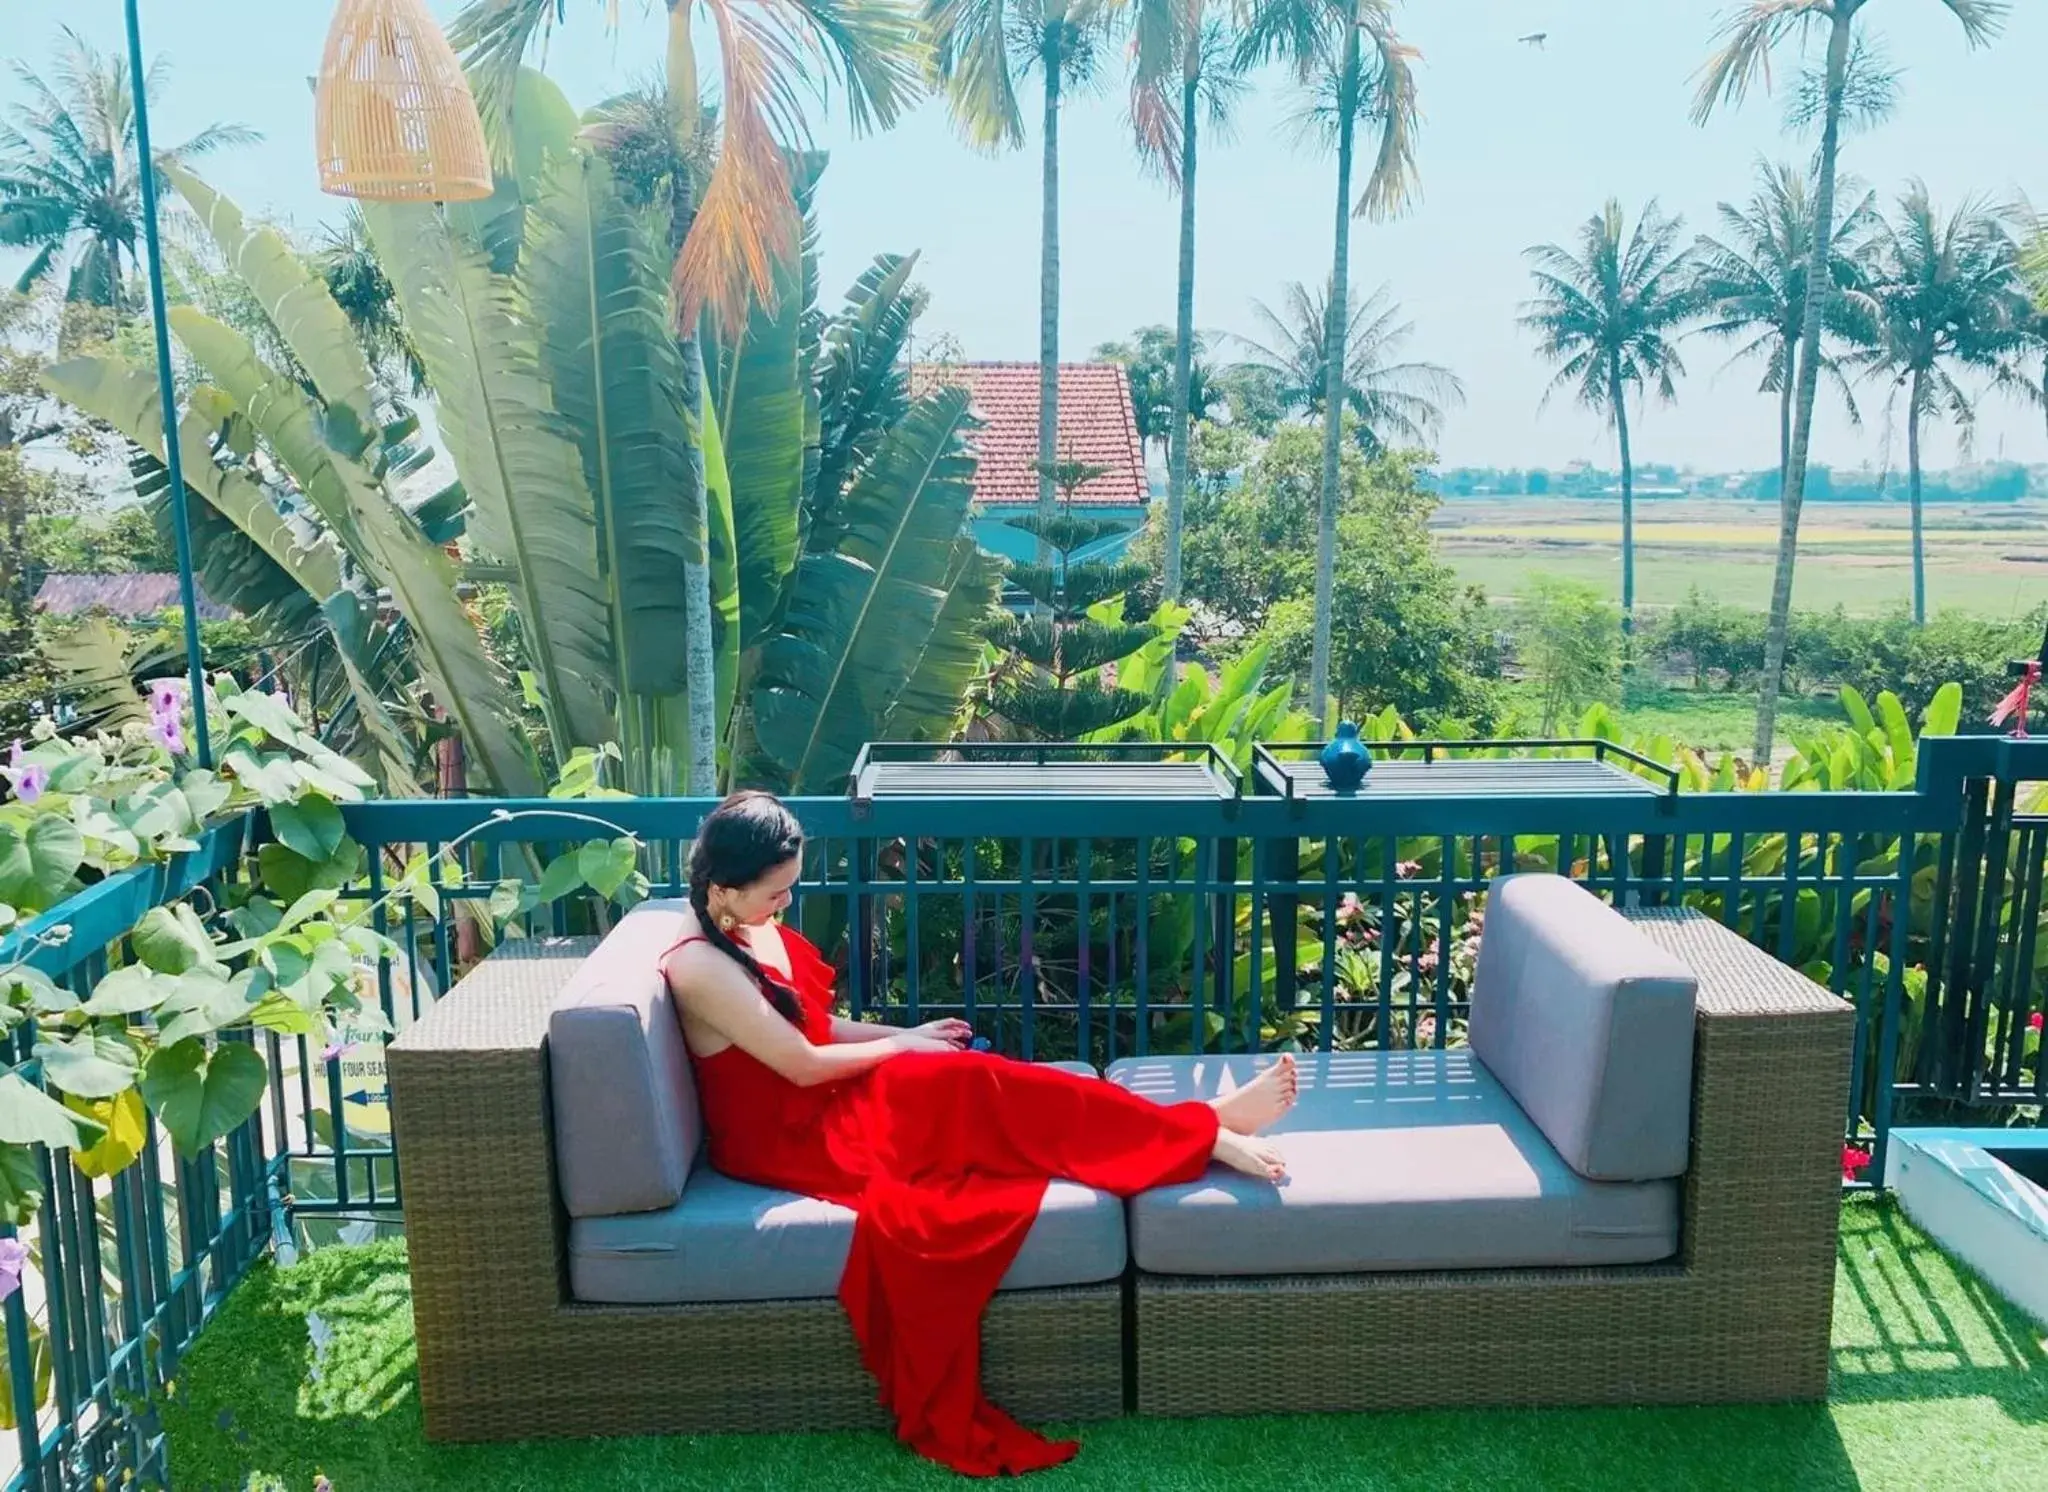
1991 560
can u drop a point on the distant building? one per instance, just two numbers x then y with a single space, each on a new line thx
1098 427
132 598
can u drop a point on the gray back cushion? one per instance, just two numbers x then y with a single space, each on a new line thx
1589 1025
625 1108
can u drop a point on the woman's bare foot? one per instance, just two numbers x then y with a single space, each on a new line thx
1261 1101
1251 1155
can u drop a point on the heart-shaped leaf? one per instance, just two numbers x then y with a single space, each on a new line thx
504 902
29 1116
129 990
267 774
39 867
563 875
268 714
199 1095
312 826
173 939
21 1186
97 1062
605 866
122 1118
203 1003
44 995
206 792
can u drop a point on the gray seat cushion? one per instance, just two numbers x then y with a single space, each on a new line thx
1396 1161
725 1240
626 1121
1589 1025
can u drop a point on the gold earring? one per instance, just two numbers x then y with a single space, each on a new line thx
726 921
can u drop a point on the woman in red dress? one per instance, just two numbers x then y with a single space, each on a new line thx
943 1153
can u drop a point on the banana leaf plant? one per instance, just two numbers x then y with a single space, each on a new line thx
598 464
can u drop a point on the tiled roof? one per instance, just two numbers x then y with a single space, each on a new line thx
1097 428
127 596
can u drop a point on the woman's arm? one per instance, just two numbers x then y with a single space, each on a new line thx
957 1033
717 992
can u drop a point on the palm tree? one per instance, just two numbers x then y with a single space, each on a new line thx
1747 38
2034 265
1178 47
69 184
1610 317
1948 299
1752 283
745 222
978 51
1393 403
1148 360
1326 44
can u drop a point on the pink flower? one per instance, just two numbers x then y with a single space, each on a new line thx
28 777
167 733
1426 961
1408 869
1854 1159
2034 1021
335 1051
165 697
13 1259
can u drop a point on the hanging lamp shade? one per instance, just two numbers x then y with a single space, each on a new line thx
393 117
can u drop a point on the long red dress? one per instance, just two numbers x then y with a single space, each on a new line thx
945 1158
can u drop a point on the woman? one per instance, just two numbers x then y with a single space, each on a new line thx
945 1154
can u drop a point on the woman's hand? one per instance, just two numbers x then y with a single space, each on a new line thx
954 1033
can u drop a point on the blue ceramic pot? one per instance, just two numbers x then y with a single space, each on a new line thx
1346 759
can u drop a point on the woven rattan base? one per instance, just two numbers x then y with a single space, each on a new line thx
1051 1355
1523 1337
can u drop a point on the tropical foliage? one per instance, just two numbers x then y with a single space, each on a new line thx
1748 37
1608 315
590 478
1752 285
70 186
1392 404
1352 60
1945 301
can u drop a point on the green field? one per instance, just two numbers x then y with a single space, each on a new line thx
1991 560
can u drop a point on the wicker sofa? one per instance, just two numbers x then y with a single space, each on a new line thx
1624 1191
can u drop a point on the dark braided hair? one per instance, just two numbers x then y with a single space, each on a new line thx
742 840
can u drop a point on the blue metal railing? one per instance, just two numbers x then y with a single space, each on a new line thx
1094 925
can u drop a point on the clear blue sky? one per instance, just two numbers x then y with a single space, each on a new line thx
1518 146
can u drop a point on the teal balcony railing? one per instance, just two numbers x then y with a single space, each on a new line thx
1066 904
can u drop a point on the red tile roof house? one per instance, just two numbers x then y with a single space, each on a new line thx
1097 428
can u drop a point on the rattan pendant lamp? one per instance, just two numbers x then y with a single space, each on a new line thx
393 117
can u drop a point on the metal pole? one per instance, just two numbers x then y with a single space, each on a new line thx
188 589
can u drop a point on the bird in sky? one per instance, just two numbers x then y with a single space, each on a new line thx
1534 39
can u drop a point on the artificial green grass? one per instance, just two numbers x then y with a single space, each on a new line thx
1937 1382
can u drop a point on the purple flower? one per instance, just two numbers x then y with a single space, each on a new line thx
13 1259
167 733
165 697
28 777
336 1050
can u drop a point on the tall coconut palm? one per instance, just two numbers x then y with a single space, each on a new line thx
1752 283
1392 402
69 185
1184 65
1948 302
745 223
978 53
1610 316
1747 38
1348 51
2034 265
